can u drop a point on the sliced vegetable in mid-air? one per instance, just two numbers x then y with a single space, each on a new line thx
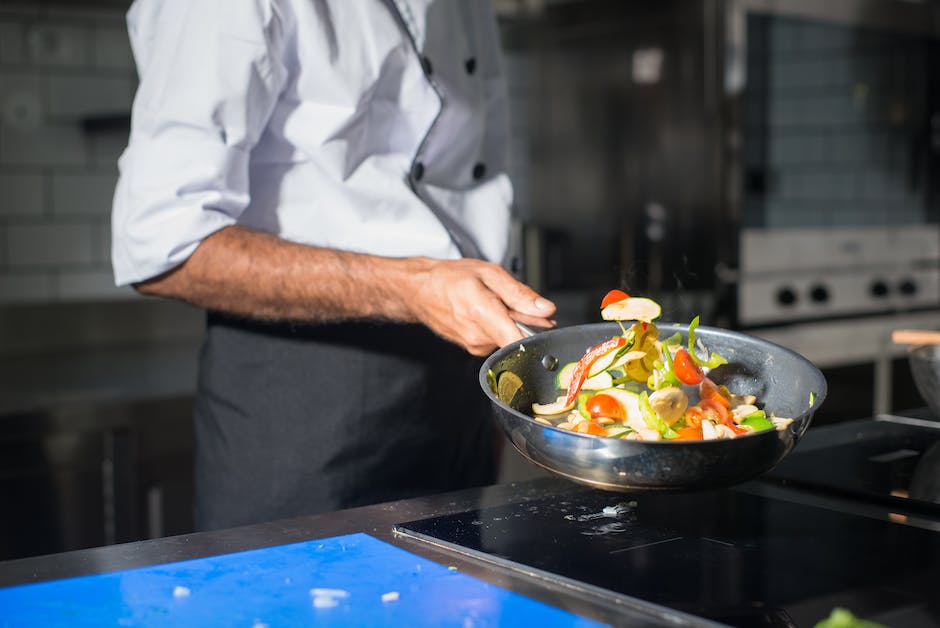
613 296
713 360
632 309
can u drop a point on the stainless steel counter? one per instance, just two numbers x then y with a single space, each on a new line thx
95 446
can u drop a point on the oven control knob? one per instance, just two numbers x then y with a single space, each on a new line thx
819 293
908 288
879 289
786 296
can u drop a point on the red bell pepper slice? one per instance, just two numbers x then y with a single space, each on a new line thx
581 370
613 296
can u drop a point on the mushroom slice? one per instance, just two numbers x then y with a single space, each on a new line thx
575 419
669 403
708 430
724 431
741 411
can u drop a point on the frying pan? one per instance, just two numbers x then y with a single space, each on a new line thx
784 382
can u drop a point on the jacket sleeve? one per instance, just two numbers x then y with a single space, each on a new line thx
210 75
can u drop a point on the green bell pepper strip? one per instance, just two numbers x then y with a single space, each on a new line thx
618 431
664 374
630 338
582 404
757 421
714 360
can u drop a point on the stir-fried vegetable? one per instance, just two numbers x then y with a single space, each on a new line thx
638 387
587 361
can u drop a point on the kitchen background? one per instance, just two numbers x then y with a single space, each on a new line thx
769 165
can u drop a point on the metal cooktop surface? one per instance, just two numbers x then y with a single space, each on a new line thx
730 556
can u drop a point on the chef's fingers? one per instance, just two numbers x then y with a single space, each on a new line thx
495 323
516 295
468 302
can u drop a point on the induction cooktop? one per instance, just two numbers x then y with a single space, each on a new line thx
732 556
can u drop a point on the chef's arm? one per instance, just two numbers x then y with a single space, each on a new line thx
251 273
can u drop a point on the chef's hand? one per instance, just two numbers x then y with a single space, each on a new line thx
475 304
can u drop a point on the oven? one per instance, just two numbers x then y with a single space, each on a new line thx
833 157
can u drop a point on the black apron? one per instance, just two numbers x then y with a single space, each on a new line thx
302 419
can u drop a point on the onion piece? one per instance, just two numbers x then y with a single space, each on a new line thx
556 407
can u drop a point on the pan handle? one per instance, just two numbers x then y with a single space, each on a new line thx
530 330
912 337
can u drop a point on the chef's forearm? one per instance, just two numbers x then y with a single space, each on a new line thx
255 274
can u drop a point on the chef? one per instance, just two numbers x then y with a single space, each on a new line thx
327 178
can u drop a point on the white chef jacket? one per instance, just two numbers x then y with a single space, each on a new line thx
375 126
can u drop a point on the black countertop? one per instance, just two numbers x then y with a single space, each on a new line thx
723 511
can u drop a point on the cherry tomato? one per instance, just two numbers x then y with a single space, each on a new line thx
694 416
710 390
686 370
689 433
613 296
601 405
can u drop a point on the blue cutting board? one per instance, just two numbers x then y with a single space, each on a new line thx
338 581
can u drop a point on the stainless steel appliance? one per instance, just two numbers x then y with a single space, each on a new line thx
834 157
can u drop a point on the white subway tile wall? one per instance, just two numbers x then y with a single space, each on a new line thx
831 111
23 195
67 80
